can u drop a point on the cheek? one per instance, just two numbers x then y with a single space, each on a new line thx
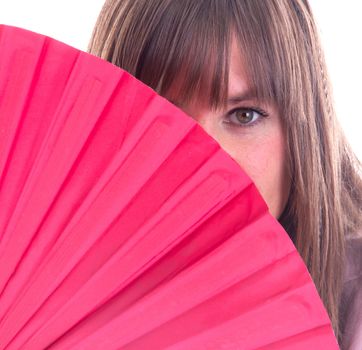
265 162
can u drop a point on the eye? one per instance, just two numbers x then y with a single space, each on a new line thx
245 116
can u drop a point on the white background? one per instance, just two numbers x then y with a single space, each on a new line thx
339 23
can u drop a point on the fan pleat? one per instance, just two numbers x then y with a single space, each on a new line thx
31 121
314 338
16 82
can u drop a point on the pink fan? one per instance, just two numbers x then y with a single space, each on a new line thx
123 225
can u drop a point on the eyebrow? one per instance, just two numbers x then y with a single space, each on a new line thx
248 94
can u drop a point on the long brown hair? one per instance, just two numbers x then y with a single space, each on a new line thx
156 40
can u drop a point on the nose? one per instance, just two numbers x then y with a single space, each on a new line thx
212 128
212 125
207 121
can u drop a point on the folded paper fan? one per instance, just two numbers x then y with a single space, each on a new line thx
123 225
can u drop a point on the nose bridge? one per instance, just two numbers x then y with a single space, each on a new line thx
210 126
203 121
208 121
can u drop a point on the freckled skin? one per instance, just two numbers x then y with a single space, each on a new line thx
260 150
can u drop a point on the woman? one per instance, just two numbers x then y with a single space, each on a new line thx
252 73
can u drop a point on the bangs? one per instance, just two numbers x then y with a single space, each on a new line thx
185 56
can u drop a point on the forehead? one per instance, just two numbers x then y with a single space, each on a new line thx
238 81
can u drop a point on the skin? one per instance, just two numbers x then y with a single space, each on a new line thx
256 142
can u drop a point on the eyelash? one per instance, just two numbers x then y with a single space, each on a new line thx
257 110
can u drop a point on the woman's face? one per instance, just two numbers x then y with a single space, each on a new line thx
251 133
